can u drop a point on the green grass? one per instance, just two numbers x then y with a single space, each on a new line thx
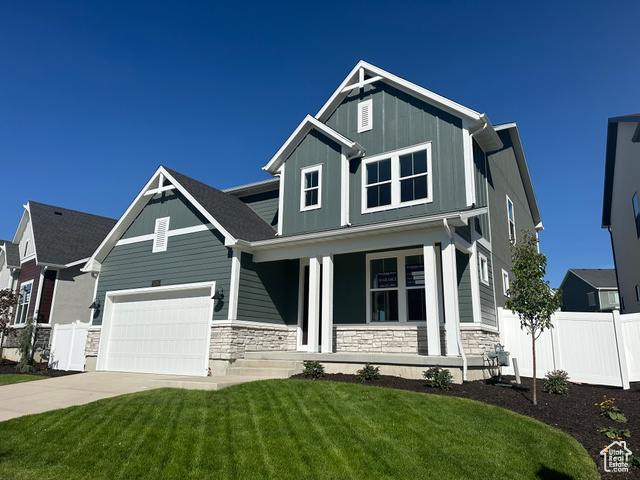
9 378
286 429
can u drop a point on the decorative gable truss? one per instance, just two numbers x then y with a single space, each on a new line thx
161 181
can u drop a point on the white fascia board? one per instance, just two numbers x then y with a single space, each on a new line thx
23 222
418 223
298 135
76 263
256 187
92 266
408 87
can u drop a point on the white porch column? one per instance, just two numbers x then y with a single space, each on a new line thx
234 285
431 294
450 287
327 304
314 304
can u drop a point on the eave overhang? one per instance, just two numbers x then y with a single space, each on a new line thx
514 134
353 149
455 219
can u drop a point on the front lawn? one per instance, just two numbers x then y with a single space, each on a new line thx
9 378
287 429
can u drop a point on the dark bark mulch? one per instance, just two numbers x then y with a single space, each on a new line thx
39 369
577 414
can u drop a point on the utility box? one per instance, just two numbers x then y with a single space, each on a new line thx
500 356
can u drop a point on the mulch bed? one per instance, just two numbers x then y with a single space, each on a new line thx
39 369
577 414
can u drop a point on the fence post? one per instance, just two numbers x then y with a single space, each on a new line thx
555 341
622 353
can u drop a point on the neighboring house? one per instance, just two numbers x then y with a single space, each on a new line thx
621 206
590 290
9 265
50 246
386 231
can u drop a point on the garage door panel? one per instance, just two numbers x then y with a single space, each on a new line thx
160 332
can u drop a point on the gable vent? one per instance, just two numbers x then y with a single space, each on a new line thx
365 116
160 240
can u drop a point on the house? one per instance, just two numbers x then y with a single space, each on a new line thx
621 207
43 263
384 236
590 290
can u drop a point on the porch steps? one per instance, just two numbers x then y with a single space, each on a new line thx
265 368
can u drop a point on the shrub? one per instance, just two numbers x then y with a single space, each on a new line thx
368 373
608 409
438 377
313 370
556 382
25 365
618 433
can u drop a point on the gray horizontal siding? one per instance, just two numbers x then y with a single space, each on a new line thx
191 258
167 204
268 291
349 289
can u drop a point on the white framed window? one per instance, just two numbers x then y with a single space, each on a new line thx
24 300
484 269
505 283
396 287
615 300
397 179
365 116
160 240
26 248
511 219
311 188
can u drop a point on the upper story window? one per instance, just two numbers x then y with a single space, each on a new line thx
636 212
311 188
511 218
505 283
397 179
23 302
591 297
484 269
365 116
26 248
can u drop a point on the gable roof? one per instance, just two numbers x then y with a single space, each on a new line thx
12 252
514 134
353 148
610 161
596 277
62 236
364 73
231 216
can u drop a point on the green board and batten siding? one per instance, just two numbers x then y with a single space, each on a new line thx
487 300
465 304
315 149
191 258
268 291
265 205
350 289
399 121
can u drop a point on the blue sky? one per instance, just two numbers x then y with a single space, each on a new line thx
95 95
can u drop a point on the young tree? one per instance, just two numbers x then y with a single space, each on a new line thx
8 300
529 294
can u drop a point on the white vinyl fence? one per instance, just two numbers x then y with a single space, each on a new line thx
67 346
599 348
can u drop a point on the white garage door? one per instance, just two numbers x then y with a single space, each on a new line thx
159 332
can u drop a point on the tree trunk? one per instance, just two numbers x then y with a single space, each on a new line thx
533 349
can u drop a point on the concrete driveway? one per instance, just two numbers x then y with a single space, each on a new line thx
40 396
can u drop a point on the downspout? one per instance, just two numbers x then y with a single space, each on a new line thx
458 336
615 267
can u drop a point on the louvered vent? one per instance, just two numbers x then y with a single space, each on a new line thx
160 241
365 116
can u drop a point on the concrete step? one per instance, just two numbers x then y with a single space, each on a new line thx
204 383
286 356
264 372
286 364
